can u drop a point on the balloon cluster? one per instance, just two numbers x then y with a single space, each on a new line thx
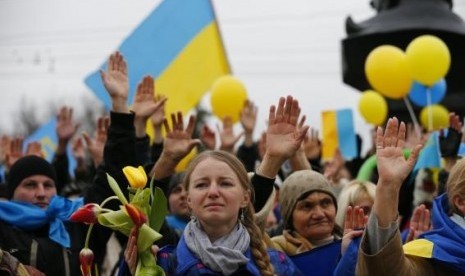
417 73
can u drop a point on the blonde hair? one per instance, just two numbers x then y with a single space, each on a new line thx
456 185
257 245
351 193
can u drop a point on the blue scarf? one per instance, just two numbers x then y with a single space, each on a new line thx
27 216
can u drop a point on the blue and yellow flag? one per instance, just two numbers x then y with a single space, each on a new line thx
429 156
338 132
179 44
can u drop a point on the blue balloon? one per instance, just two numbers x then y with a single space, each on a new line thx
419 93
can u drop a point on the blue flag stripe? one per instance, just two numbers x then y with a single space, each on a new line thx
158 40
346 134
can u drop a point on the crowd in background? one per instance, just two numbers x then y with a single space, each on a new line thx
223 220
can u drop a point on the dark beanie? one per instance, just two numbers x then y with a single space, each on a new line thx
28 166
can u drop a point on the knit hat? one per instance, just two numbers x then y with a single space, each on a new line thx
298 184
28 166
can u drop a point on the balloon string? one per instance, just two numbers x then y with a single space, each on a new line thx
430 110
412 116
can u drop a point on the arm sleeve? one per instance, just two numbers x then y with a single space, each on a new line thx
263 187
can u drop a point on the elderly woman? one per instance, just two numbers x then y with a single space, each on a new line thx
437 252
308 209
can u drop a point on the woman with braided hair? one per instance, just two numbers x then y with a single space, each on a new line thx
223 237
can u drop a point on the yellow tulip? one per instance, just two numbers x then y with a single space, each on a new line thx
136 177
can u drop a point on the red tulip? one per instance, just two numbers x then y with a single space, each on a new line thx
86 258
86 214
135 214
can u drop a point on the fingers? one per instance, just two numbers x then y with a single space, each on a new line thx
280 110
190 125
379 138
411 234
272 115
401 135
414 155
349 218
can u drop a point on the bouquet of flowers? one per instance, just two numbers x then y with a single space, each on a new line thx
145 209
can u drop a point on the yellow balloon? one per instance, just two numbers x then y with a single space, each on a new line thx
228 96
387 71
428 59
373 107
439 117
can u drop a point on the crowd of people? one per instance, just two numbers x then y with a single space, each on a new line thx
240 207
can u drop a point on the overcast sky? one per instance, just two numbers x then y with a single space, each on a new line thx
276 48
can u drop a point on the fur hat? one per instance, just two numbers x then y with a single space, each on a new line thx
28 166
298 184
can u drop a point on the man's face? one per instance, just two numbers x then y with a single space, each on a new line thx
36 189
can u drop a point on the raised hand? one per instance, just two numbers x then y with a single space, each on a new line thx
78 150
34 148
419 223
284 135
178 144
97 144
5 142
312 145
115 80
178 141
393 168
208 137
333 168
144 104
449 144
157 119
65 128
15 152
227 137
354 223
248 120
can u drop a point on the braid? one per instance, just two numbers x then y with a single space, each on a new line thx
257 246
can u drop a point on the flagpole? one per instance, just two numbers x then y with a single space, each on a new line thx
221 37
412 115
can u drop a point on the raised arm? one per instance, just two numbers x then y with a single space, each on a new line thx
178 143
115 80
284 135
227 137
144 105
393 169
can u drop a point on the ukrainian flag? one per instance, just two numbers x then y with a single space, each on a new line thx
338 132
179 44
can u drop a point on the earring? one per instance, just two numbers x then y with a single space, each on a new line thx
242 214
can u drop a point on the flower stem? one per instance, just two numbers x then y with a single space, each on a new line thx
107 200
86 245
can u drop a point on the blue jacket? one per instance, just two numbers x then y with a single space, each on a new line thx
181 261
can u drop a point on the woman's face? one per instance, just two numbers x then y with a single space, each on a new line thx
177 201
313 216
215 194
366 203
